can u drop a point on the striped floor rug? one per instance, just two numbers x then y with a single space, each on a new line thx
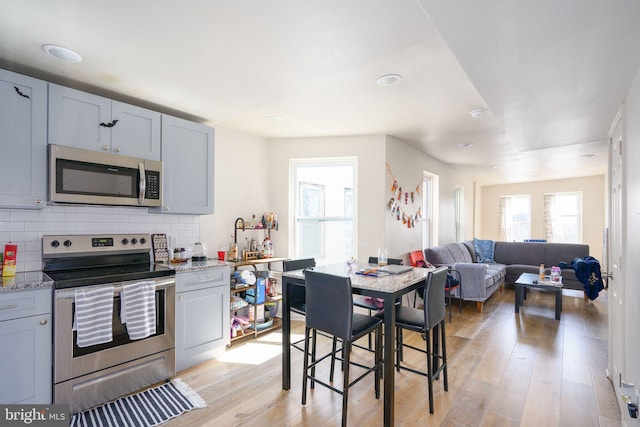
145 409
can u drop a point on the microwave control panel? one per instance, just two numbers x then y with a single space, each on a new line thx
153 185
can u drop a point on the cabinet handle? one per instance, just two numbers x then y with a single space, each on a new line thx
109 125
180 298
43 322
105 148
117 149
8 307
39 201
20 93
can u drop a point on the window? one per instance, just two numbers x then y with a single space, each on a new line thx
324 208
563 217
430 195
515 218
458 197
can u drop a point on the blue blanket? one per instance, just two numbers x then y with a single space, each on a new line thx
588 273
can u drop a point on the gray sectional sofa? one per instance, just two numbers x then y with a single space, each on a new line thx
481 280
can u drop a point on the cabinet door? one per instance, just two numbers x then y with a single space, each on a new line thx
25 352
23 141
137 132
188 156
79 119
202 325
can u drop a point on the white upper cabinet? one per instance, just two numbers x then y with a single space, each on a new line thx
83 120
188 157
23 141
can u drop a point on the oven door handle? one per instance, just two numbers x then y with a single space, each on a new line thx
160 285
69 293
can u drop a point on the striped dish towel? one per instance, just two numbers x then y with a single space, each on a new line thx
93 316
138 309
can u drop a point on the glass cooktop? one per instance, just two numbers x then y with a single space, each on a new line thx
111 274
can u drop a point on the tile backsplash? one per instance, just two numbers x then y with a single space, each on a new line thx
26 227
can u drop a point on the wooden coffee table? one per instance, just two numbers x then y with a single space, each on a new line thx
530 280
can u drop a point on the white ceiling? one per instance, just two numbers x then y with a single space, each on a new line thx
552 74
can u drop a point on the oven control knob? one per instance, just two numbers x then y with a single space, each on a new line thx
143 241
134 241
55 244
67 243
125 241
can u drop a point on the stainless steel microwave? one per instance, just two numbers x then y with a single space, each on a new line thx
93 177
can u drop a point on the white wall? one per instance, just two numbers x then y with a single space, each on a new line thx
241 188
375 228
593 207
408 165
369 151
26 227
629 289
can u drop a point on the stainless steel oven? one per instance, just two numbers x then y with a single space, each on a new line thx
91 375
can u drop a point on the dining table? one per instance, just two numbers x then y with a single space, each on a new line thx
386 286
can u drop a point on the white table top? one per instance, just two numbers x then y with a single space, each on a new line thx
528 279
385 282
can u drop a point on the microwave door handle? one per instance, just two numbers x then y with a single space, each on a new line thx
142 184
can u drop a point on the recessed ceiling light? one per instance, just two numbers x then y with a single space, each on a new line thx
477 112
586 156
467 145
275 119
61 53
389 79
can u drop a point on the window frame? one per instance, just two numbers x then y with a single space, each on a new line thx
578 215
295 219
509 226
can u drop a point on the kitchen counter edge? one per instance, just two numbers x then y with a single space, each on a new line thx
191 266
25 281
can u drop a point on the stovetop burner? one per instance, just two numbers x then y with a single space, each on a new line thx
83 260
95 276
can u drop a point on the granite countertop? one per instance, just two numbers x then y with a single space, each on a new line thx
25 281
34 280
190 265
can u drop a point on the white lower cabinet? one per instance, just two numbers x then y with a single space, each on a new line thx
25 347
202 316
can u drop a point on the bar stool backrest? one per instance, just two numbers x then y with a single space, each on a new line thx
297 295
434 308
392 261
329 304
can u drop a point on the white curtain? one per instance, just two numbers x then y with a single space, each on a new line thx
505 219
549 200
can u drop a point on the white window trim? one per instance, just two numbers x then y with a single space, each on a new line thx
580 207
293 164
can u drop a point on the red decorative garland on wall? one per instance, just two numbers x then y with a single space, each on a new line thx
399 202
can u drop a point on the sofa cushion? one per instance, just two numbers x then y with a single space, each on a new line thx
564 252
497 271
519 253
484 250
447 254
471 249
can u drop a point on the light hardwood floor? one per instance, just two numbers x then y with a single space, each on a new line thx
504 370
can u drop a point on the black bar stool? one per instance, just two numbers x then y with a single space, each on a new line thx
329 309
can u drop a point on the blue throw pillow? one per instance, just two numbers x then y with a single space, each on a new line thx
484 250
